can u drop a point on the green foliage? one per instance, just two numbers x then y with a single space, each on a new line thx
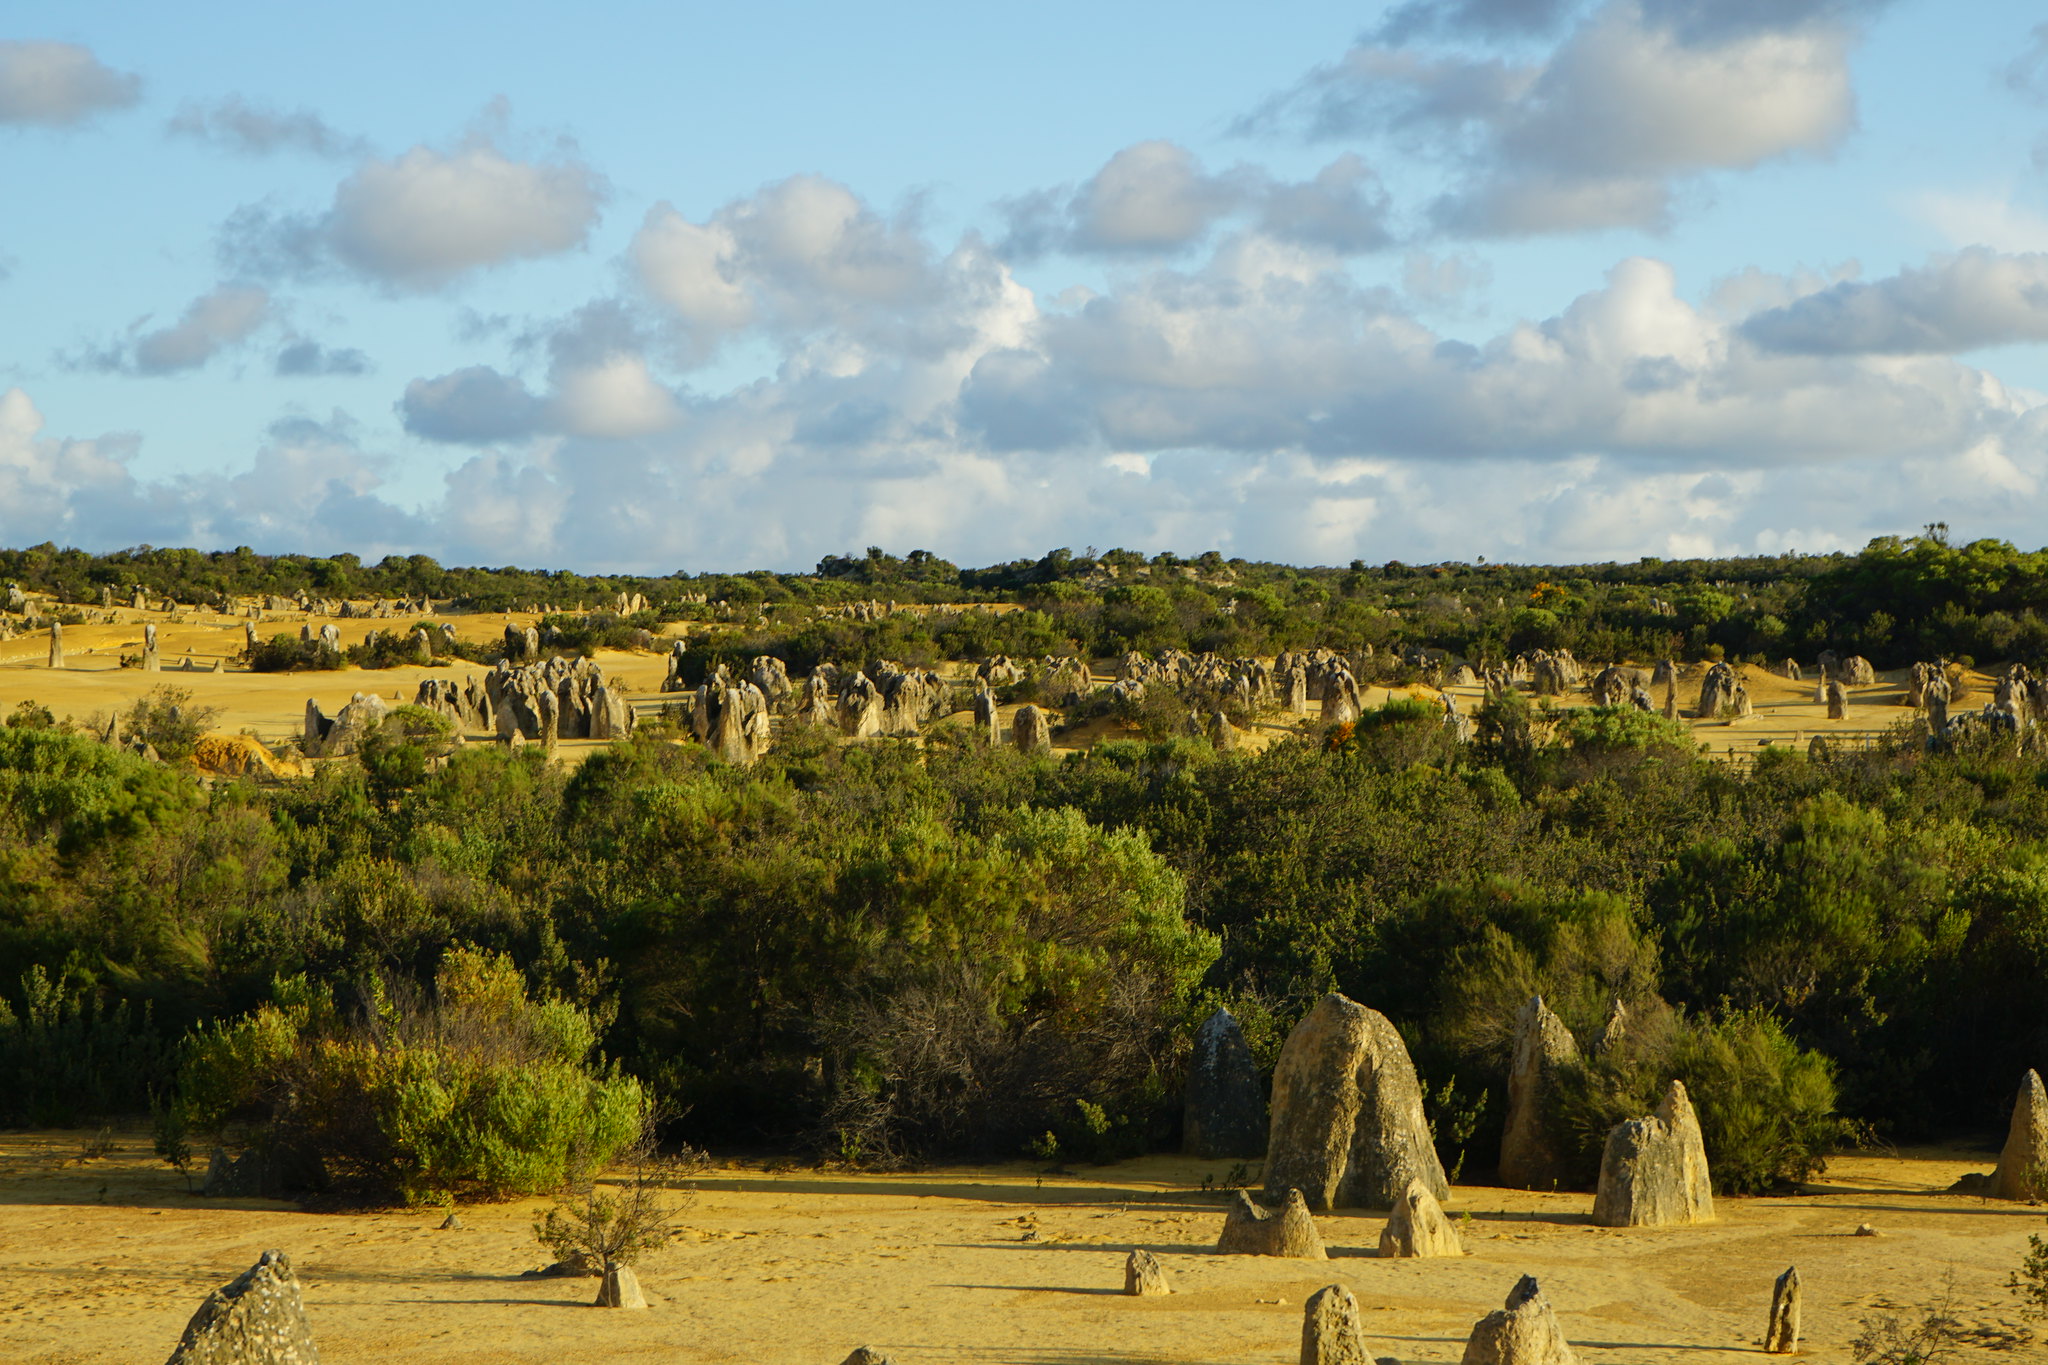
167 721
1606 729
29 715
480 1093
290 654
2029 1283
398 754
67 1057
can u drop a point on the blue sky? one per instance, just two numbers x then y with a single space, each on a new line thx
706 287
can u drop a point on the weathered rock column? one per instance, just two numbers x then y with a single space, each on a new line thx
2022 1171
1224 1111
1781 1333
1347 1127
1330 1331
1531 1156
1654 1171
1418 1227
258 1318
1523 1333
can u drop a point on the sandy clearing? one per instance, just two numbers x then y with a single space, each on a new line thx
104 1261
272 705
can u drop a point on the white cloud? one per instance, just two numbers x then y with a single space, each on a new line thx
615 397
472 406
214 322
427 218
1638 96
237 125
59 84
1975 298
1151 196
808 264
1155 198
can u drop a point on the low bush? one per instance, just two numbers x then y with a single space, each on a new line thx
67 1058
1766 1106
168 722
478 1093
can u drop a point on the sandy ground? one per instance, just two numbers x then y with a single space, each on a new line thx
104 1260
272 705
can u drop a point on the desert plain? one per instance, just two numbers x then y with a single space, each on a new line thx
102 1260
271 706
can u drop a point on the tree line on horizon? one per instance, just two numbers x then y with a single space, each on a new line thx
1898 601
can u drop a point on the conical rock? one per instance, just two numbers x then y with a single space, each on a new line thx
258 1318
1418 1227
1330 1331
1224 1113
1347 1128
1654 1171
1531 1154
1523 1333
2022 1171
1251 1229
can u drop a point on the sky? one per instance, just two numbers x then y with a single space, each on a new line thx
690 287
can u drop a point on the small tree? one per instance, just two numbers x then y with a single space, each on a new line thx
1888 1339
168 722
592 1231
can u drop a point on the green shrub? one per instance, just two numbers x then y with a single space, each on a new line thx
167 721
290 654
479 1094
1766 1106
67 1058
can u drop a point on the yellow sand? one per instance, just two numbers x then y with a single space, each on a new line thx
103 1262
272 705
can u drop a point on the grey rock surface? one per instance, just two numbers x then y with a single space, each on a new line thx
1224 1107
1347 1127
1654 1170
257 1318
1526 1332
1418 1227
1532 1156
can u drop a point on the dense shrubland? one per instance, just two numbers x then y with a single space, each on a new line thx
886 952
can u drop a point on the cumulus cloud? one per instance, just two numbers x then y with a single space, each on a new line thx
426 218
216 321
1638 95
807 260
1344 208
1977 297
473 406
1149 197
1262 351
307 359
239 126
308 483
600 382
59 84
1155 198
